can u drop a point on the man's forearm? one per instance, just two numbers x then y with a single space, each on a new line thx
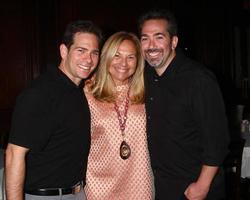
14 172
207 175
198 190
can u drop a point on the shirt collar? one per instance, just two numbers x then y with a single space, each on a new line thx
64 78
173 67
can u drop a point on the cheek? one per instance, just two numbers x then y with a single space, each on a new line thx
95 61
143 46
111 68
166 45
132 67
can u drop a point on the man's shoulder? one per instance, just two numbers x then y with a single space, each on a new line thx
194 69
48 78
46 84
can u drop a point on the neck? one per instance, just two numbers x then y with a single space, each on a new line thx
121 93
75 81
161 69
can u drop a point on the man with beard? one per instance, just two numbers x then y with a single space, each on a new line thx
186 121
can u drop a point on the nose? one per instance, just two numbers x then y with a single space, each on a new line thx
88 58
123 62
151 44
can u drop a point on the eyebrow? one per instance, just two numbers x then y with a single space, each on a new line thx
96 50
143 35
155 34
84 48
78 47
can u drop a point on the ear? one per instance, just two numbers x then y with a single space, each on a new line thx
174 42
63 51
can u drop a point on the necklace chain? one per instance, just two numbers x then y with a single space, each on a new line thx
122 119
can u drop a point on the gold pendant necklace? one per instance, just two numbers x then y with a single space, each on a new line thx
125 150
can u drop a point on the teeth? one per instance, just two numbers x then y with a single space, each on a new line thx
153 54
121 69
83 67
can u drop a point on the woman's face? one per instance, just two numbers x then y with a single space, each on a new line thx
123 64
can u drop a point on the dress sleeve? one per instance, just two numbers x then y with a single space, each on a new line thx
209 112
30 120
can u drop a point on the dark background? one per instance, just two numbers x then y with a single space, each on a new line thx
215 32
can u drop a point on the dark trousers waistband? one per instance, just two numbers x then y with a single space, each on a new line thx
55 191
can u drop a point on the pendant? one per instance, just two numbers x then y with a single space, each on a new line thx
125 150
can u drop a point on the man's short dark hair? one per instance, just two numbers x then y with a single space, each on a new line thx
80 26
167 15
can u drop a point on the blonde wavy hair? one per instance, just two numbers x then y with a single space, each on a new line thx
103 86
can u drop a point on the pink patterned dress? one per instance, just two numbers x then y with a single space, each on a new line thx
109 177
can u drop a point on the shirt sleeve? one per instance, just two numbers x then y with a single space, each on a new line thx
209 112
30 120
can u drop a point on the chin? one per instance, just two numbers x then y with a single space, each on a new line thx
85 76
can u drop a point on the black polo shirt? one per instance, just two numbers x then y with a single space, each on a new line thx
186 124
52 119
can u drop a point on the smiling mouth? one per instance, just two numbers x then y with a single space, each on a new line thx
154 54
121 69
84 68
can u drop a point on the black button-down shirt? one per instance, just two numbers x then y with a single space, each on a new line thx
186 124
52 119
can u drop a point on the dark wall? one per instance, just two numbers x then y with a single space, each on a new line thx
18 62
31 31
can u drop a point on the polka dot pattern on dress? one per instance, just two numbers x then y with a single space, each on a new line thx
109 177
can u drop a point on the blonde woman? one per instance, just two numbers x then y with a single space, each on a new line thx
118 163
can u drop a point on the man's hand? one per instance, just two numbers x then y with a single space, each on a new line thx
199 189
196 191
